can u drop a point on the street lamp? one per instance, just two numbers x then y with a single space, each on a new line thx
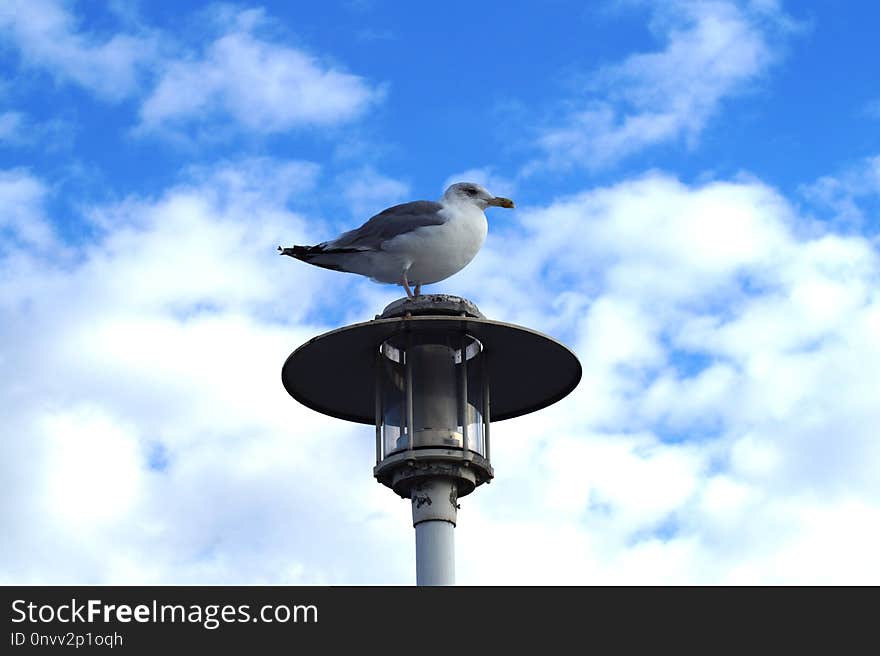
430 373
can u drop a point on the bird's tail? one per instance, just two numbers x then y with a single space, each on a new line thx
321 255
300 252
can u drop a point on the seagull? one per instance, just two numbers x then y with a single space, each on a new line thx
416 243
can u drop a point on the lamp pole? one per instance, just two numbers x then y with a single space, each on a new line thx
434 511
422 372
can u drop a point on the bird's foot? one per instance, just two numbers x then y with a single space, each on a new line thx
418 290
405 284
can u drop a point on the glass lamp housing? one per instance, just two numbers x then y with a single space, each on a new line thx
431 394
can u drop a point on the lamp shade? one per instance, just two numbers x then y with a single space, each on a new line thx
335 373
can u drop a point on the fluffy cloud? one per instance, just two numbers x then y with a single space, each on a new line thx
47 36
148 437
712 50
263 85
259 83
848 193
22 220
727 407
723 430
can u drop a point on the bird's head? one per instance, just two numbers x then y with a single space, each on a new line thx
470 192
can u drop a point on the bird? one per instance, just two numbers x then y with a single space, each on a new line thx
413 244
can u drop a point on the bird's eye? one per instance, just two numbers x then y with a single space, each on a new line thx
471 191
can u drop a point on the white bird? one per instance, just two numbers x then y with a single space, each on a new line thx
416 243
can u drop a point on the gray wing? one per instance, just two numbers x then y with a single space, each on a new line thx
388 224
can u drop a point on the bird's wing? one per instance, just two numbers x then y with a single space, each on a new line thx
388 224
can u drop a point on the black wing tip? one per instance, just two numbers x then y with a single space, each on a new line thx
292 252
300 252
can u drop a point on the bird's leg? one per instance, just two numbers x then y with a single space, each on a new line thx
418 290
405 283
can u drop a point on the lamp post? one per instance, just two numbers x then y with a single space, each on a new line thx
430 373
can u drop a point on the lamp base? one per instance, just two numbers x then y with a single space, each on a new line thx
405 470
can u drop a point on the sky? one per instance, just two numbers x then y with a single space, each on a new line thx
698 210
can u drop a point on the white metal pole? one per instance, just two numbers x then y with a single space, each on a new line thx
434 509
435 553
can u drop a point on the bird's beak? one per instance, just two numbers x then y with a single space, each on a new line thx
499 201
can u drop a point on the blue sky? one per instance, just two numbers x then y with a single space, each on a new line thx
697 191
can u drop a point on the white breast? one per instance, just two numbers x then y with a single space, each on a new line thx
434 253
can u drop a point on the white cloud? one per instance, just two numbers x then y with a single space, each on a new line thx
22 218
728 399
712 51
723 430
258 178
147 429
48 36
259 82
81 442
263 85
845 193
